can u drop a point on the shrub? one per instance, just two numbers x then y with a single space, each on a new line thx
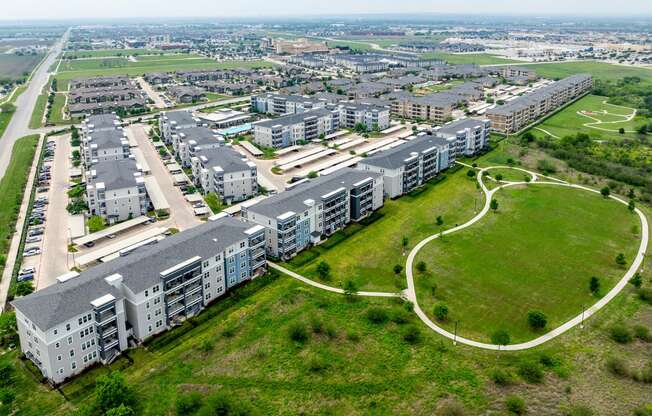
643 333
470 173
441 312
412 334
636 281
500 337
317 326
620 259
188 404
207 345
352 336
421 266
317 365
400 317
620 334
350 288
594 285
7 396
398 269
221 404
298 332
515 405
501 377
324 270
645 295
530 372
537 320
580 410
377 315
617 366
7 371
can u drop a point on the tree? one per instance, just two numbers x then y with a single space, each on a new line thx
24 288
500 337
499 177
439 221
350 288
620 259
7 328
470 173
631 206
494 205
594 285
96 223
537 320
605 191
621 130
642 129
404 242
636 281
441 312
421 266
111 391
324 270
398 269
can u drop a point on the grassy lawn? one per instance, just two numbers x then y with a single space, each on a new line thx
438 87
511 175
5 118
469 58
367 254
511 262
101 53
568 121
122 66
599 70
56 115
12 187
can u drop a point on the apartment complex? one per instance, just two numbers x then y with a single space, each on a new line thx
470 136
172 122
437 107
225 172
524 110
115 190
101 95
301 216
408 166
90 317
280 104
103 139
186 142
288 130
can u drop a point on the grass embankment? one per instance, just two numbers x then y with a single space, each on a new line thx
600 70
469 58
12 187
537 252
368 254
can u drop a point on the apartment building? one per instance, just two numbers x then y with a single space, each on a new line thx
410 165
470 136
523 111
103 146
301 216
104 95
115 190
281 104
437 107
186 94
517 72
89 318
187 141
373 117
171 122
288 130
225 172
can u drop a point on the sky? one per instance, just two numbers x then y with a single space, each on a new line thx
74 9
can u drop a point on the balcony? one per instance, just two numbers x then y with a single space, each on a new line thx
176 310
192 290
105 317
107 332
110 343
173 299
193 301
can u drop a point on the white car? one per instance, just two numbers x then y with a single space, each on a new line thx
31 252
33 239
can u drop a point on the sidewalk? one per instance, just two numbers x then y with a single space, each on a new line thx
12 255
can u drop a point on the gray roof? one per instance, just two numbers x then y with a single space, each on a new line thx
292 119
224 157
202 135
107 139
102 121
182 118
293 199
465 123
395 158
140 270
115 174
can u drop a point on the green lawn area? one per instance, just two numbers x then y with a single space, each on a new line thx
469 58
369 253
568 121
122 66
511 175
438 87
56 115
5 118
538 252
101 53
12 188
599 70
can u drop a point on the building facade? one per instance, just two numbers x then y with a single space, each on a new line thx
226 173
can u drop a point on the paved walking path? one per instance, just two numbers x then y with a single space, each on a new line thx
410 292
597 122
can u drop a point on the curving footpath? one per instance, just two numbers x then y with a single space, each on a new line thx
411 292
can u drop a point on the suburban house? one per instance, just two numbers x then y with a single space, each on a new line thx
225 172
316 208
89 318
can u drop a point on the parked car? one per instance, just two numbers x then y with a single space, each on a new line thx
32 251
25 277
89 244
28 269
33 239
42 189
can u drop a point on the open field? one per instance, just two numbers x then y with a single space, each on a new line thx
370 252
11 188
599 70
14 67
101 53
593 116
56 115
120 66
469 58
150 62
438 87
538 252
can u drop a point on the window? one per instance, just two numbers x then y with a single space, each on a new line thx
80 321
149 328
242 244
57 345
157 301
73 365
61 371
207 285
155 289
59 357
206 264
56 332
67 327
146 293
206 275
72 353
69 340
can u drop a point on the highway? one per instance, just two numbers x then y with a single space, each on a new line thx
19 125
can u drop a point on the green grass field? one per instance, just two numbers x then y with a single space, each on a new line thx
56 115
538 252
599 70
511 175
14 67
469 58
101 53
12 187
568 121
369 254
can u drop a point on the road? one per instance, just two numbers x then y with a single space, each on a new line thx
151 93
19 125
